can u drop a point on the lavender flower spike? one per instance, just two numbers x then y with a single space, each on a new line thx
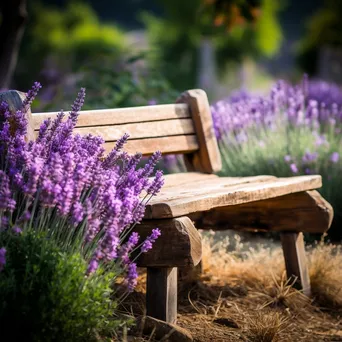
147 244
77 106
156 184
132 276
2 258
32 93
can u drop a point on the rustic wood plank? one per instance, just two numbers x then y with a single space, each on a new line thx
186 178
295 260
208 158
161 293
15 100
103 117
142 130
207 185
174 206
180 243
299 212
167 145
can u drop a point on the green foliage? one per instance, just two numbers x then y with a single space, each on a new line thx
62 41
131 83
177 37
45 291
323 29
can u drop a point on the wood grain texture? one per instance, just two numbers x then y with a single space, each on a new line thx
142 130
299 212
207 159
15 100
173 203
186 178
167 145
104 117
161 293
180 243
295 260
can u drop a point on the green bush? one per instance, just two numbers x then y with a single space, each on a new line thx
44 290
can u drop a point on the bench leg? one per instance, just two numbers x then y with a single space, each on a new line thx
295 260
161 293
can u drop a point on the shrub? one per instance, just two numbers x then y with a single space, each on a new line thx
45 289
62 188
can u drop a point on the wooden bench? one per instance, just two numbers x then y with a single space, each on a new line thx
286 205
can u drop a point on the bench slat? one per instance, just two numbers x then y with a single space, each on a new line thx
117 116
141 130
168 145
177 179
207 199
205 185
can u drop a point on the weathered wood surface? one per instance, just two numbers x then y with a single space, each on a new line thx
207 159
15 100
161 293
142 130
295 260
104 117
180 243
186 178
304 211
168 145
174 202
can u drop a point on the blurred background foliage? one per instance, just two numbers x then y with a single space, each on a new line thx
323 31
177 37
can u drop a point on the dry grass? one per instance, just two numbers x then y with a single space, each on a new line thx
265 327
243 295
326 276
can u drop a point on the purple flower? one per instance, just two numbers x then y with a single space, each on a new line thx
310 157
334 157
132 276
63 180
294 168
92 267
147 244
156 184
2 258
16 230
32 93
287 158
6 200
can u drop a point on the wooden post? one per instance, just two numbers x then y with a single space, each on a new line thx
295 260
161 293
207 159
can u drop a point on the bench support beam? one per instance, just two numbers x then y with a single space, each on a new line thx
295 260
161 293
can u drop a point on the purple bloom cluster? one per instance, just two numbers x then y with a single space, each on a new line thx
310 103
68 175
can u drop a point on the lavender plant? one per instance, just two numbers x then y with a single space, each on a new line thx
293 130
62 188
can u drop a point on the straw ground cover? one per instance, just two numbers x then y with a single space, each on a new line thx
243 295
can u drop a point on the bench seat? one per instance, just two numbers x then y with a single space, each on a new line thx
187 193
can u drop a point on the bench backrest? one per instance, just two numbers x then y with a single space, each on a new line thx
185 127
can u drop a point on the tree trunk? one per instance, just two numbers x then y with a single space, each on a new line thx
14 15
